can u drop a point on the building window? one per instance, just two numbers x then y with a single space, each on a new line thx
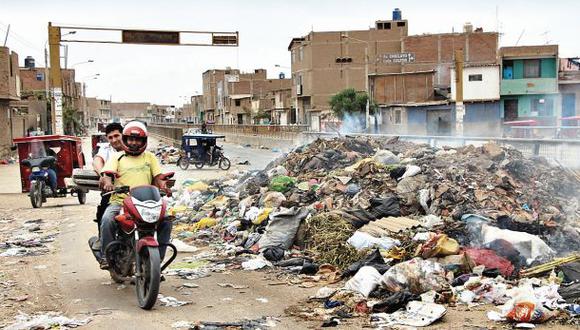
475 77
301 57
508 69
531 68
400 24
397 117
238 102
543 107
39 76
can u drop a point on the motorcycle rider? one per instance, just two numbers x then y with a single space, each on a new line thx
113 132
132 167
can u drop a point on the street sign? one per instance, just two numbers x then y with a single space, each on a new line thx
224 39
59 128
396 58
150 37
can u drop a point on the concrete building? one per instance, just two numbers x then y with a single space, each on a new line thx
324 63
529 84
11 125
481 84
569 86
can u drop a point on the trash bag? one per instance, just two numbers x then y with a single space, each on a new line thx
274 253
490 260
282 228
374 260
386 157
571 271
411 171
416 275
529 246
570 292
365 281
397 172
272 199
282 183
394 302
385 207
352 189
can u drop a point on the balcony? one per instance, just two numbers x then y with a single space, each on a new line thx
529 86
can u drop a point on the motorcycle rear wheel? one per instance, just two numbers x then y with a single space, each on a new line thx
149 277
183 163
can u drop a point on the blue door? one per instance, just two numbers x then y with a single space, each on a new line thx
568 105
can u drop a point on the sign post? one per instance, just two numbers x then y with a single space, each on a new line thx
396 58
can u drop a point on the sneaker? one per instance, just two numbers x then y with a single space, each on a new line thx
97 245
104 264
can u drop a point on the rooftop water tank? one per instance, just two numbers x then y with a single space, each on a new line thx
281 75
397 14
29 62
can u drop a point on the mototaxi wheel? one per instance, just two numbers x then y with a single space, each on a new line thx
224 164
36 188
82 197
148 276
183 163
199 165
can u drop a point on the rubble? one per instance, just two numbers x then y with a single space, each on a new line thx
395 222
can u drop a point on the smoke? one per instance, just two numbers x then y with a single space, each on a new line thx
353 123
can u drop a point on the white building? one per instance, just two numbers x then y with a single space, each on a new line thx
480 82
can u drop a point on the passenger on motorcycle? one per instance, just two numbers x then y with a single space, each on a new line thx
113 132
133 167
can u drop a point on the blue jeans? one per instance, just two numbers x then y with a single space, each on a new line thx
51 178
109 230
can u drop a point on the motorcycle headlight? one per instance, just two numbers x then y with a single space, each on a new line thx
35 169
149 214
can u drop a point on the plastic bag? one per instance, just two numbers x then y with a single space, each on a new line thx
205 223
282 228
360 240
416 275
365 281
282 183
262 216
273 199
439 246
386 157
412 170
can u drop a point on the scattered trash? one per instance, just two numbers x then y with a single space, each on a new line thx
171 301
262 300
45 321
416 314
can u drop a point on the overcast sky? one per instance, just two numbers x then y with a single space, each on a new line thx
163 74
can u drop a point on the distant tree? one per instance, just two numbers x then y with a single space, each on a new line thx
349 102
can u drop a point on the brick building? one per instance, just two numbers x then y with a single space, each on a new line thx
402 68
228 95
11 125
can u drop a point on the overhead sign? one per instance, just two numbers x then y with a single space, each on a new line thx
150 37
396 58
224 39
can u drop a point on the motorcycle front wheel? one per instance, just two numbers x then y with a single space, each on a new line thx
36 188
148 277
225 163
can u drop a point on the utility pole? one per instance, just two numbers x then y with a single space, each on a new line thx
55 79
459 108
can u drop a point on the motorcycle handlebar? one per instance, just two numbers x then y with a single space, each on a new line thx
118 190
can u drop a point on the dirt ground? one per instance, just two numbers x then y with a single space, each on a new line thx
66 278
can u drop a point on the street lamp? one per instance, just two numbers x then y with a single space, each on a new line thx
367 112
84 62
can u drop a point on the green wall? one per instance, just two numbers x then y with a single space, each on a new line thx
547 68
525 103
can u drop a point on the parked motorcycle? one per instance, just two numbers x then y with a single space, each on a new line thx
135 252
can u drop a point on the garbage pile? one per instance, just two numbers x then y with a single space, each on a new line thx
404 227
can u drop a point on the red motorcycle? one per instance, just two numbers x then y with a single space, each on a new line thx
135 252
